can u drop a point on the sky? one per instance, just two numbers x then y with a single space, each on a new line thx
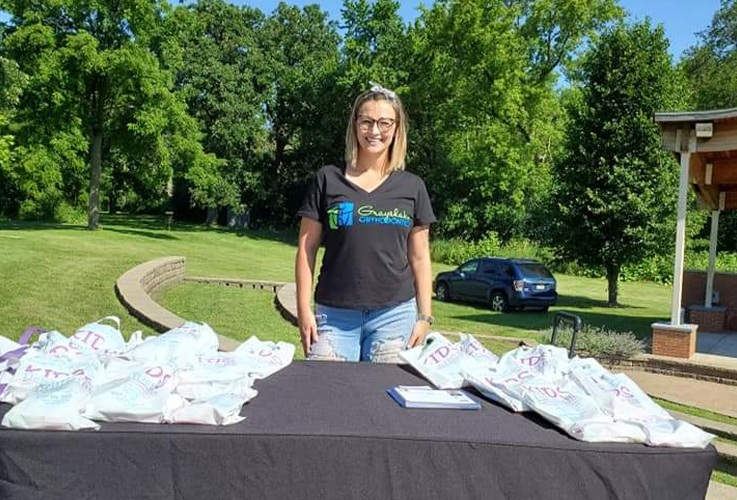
682 19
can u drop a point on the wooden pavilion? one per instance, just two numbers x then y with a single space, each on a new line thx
706 144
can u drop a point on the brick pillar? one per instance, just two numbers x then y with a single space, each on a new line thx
676 341
709 319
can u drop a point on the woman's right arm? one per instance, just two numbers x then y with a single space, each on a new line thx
310 235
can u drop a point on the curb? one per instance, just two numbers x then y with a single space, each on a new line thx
677 368
719 491
727 452
718 428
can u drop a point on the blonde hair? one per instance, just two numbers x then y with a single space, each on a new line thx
398 147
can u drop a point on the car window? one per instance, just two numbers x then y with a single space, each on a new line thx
534 270
469 267
491 268
508 270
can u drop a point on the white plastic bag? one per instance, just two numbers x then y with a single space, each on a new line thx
208 389
675 433
617 395
499 383
439 360
264 357
502 382
566 405
222 409
144 395
98 336
622 399
475 349
213 374
55 343
179 345
37 368
53 406
7 345
549 361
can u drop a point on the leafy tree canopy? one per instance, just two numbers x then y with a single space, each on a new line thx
615 187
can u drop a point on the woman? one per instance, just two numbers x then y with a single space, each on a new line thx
373 295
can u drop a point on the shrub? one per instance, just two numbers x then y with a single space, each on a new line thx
68 214
598 342
457 251
657 269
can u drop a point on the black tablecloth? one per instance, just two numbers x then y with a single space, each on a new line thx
321 430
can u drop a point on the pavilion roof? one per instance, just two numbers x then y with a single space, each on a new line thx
711 138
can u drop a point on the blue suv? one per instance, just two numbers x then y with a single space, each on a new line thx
503 284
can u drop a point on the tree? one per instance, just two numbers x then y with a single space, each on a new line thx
373 48
711 69
615 187
484 107
11 85
97 90
222 67
711 66
305 120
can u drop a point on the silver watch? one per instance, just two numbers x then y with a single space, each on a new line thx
424 317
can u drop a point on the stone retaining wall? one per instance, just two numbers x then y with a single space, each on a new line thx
134 289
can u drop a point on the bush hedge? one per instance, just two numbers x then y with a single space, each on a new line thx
658 269
598 342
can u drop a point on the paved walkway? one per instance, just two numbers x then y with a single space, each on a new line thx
721 344
718 398
711 396
719 491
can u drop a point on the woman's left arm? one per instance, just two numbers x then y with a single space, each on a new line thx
419 260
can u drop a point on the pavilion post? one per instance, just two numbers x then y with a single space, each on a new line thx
675 312
712 257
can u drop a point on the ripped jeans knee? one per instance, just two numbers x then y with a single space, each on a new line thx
386 350
376 335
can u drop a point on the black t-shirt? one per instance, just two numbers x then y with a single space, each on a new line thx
365 265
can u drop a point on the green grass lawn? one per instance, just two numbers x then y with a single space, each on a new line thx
62 276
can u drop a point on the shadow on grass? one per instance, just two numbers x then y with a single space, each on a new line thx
158 235
286 236
156 226
159 223
578 302
536 320
23 225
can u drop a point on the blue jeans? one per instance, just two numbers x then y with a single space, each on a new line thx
376 335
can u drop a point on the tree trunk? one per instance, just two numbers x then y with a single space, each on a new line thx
212 217
612 278
96 133
237 221
93 213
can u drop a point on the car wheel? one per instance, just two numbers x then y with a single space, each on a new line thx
499 302
544 309
442 293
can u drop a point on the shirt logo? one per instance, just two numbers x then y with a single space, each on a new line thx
340 214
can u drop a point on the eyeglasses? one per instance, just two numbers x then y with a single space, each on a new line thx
367 124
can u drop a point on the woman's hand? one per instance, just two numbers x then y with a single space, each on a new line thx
307 330
419 332
310 235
